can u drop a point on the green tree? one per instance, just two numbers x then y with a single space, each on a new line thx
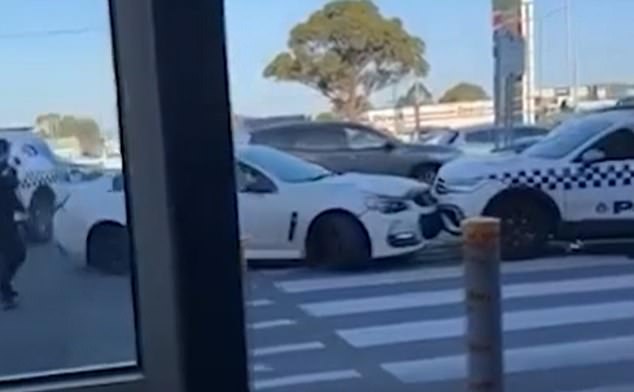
347 51
464 92
326 116
85 130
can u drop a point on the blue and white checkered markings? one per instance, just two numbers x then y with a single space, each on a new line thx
568 178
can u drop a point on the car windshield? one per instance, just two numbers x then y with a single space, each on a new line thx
284 167
566 138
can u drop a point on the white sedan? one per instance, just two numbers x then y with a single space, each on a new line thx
288 208
293 209
90 224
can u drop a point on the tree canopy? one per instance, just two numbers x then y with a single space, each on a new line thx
85 130
326 116
464 92
347 51
417 92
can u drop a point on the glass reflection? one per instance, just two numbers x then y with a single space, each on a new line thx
65 258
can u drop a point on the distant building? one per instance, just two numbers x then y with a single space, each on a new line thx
453 115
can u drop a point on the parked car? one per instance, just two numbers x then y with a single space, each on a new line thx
518 145
350 147
288 209
575 184
482 139
39 174
293 209
90 224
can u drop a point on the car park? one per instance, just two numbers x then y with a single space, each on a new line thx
351 147
91 224
575 184
39 174
292 209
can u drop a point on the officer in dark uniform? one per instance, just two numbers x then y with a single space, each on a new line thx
12 248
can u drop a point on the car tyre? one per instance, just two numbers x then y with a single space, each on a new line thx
425 173
109 249
338 240
524 227
40 221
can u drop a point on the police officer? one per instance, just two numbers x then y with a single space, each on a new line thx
12 248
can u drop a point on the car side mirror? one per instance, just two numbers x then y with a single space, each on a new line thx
592 156
389 145
259 186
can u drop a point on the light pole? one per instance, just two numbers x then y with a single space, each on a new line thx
570 50
571 55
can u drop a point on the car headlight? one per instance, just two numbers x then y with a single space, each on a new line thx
462 185
386 205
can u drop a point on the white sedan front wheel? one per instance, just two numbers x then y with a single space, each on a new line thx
338 240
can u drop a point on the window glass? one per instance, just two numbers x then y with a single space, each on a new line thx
66 301
617 145
567 137
480 136
522 132
321 138
432 114
277 137
360 139
283 166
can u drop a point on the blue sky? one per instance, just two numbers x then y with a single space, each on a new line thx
72 73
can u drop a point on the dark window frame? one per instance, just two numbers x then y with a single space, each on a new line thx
170 63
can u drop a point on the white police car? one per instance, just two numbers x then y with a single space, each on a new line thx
38 173
577 183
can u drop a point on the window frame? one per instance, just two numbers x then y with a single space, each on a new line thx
180 339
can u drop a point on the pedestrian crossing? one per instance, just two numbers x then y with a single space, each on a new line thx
405 328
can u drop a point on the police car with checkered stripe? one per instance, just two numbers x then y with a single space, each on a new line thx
39 175
575 184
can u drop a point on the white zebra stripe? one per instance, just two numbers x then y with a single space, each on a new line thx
422 275
272 324
259 302
446 297
616 388
303 379
287 348
513 321
546 357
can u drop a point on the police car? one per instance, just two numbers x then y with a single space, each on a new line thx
38 173
574 184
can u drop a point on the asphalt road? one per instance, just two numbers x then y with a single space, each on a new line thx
395 327
68 317
569 325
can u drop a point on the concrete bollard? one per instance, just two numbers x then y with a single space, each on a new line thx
485 362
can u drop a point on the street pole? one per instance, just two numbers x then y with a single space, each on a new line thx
571 60
485 363
417 105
